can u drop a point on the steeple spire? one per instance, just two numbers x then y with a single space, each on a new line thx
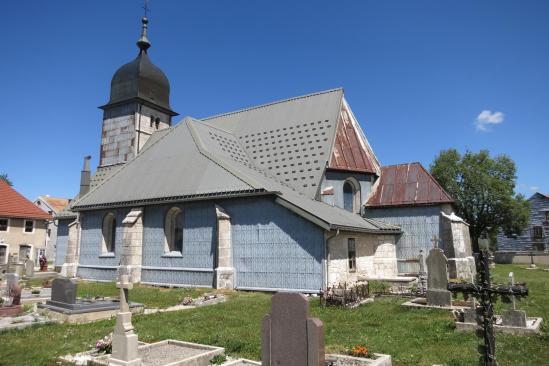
143 42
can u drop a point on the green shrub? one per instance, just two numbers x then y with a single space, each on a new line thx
378 287
218 359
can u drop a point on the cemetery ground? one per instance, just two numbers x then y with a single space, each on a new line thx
410 336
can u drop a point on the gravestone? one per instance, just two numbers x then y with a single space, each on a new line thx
289 336
29 268
437 279
513 317
63 290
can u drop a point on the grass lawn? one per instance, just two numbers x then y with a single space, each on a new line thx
411 336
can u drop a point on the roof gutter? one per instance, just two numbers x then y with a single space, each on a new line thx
161 200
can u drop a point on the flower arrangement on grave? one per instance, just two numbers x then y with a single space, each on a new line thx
104 344
359 350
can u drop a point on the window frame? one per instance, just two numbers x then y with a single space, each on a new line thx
6 253
170 227
547 216
29 246
535 230
351 254
25 226
108 234
356 194
7 224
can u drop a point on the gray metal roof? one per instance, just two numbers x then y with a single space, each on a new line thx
289 140
216 158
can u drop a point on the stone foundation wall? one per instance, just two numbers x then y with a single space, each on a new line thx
375 257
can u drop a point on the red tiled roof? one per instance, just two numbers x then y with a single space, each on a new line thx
13 204
350 152
407 184
56 203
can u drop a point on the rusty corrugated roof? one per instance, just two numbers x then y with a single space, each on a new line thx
56 203
351 150
13 204
408 184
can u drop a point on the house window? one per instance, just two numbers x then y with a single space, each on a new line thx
537 232
29 226
173 230
3 251
24 252
109 233
4 224
546 216
157 123
351 253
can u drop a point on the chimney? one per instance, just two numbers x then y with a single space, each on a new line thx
85 177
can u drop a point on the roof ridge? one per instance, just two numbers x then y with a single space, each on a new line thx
208 155
271 104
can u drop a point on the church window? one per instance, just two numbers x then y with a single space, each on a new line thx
109 233
351 250
351 195
173 230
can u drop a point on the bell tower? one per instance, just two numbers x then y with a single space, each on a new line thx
139 105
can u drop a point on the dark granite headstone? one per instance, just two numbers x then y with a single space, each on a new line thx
63 291
437 279
514 318
289 337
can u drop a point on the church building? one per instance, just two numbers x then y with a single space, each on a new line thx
270 197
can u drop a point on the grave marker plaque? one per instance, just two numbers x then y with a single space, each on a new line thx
289 337
437 279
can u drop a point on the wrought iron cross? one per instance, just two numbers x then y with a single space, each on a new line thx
146 8
487 294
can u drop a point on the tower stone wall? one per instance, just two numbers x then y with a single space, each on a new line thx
126 129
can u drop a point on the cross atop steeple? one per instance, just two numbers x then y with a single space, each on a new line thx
146 8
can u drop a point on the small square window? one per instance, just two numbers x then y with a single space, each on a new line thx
537 232
351 250
3 224
29 226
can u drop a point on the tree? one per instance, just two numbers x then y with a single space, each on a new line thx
483 188
5 178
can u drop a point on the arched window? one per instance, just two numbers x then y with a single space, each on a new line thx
173 230
348 196
351 195
109 233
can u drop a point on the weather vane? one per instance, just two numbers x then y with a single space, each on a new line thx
146 8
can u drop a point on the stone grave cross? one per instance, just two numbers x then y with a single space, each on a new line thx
289 337
124 340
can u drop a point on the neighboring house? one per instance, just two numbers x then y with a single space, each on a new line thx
53 206
407 195
536 236
22 227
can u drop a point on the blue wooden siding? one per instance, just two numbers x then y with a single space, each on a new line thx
92 264
195 266
538 205
274 248
337 179
419 225
61 242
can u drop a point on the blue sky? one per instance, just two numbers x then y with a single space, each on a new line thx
417 74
